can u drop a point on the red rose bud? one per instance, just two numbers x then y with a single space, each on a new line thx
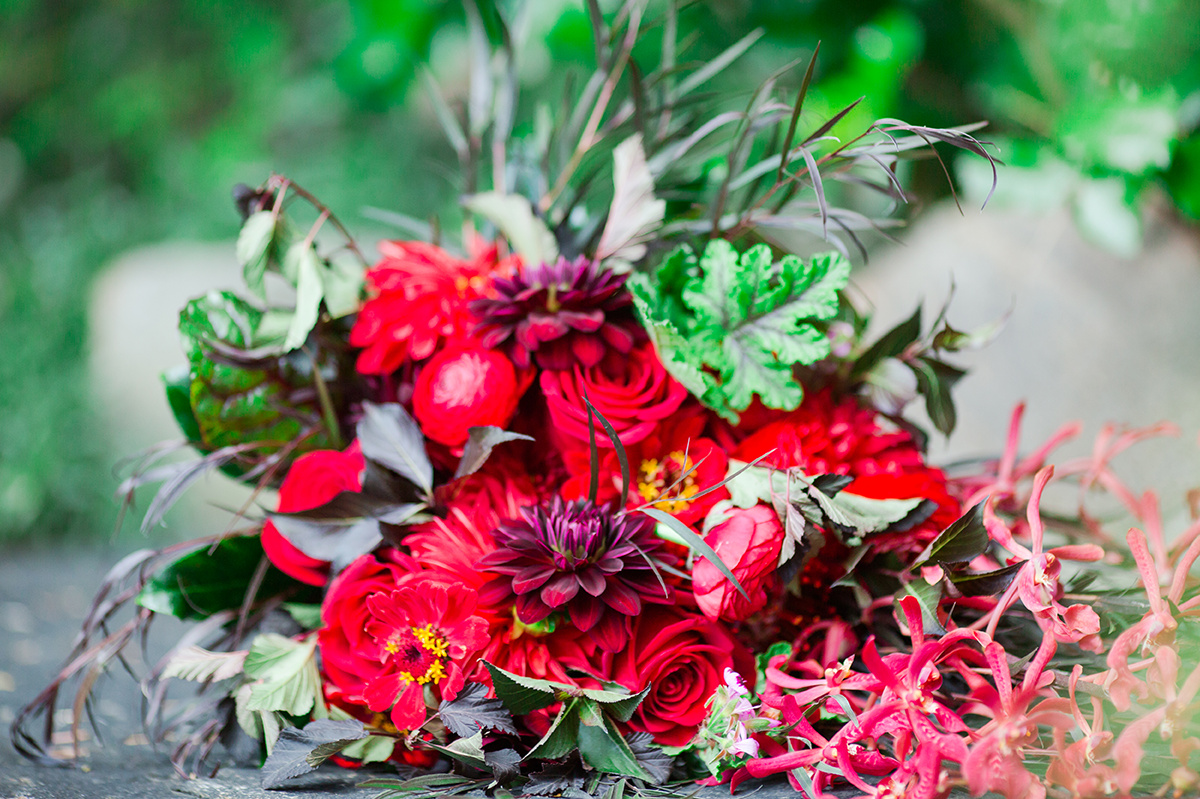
634 400
749 542
314 479
465 387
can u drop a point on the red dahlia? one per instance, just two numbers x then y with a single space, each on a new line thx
562 314
595 567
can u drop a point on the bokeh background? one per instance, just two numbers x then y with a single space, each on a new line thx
125 123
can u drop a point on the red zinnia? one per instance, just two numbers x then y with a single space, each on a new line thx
424 634
419 300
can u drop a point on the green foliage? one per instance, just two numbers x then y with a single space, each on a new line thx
731 326
210 580
284 675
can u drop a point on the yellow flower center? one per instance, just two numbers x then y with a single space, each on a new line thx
423 650
655 477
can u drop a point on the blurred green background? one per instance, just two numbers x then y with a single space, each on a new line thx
125 122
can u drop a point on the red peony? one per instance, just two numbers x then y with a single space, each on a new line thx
463 387
635 394
423 634
748 542
419 301
824 436
683 657
347 651
314 479
675 459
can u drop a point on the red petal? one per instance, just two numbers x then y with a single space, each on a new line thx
586 611
560 590
531 577
622 599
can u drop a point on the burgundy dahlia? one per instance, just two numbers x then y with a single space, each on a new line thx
595 567
562 314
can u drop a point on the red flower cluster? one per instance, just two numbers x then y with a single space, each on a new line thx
519 566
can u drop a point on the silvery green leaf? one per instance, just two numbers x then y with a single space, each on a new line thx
306 265
635 213
254 248
513 216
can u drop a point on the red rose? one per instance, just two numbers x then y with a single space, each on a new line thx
348 658
634 393
314 479
420 297
748 542
683 657
464 387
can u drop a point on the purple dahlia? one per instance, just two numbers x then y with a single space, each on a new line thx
562 314
595 567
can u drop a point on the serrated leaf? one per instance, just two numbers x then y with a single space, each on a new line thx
197 664
988 583
254 248
299 751
962 541
504 763
513 216
651 757
563 736
260 725
302 261
603 748
480 443
285 674
389 436
519 694
747 318
471 710
618 704
467 750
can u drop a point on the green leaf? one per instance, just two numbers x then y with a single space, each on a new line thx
519 694
603 748
372 749
935 379
618 704
285 674
200 665
746 318
254 248
927 596
307 616
302 261
963 540
513 216
563 736
988 583
890 344
467 750
202 583
178 384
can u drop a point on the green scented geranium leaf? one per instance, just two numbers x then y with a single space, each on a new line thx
207 581
730 326
372 749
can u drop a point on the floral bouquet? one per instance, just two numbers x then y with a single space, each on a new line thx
614 494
